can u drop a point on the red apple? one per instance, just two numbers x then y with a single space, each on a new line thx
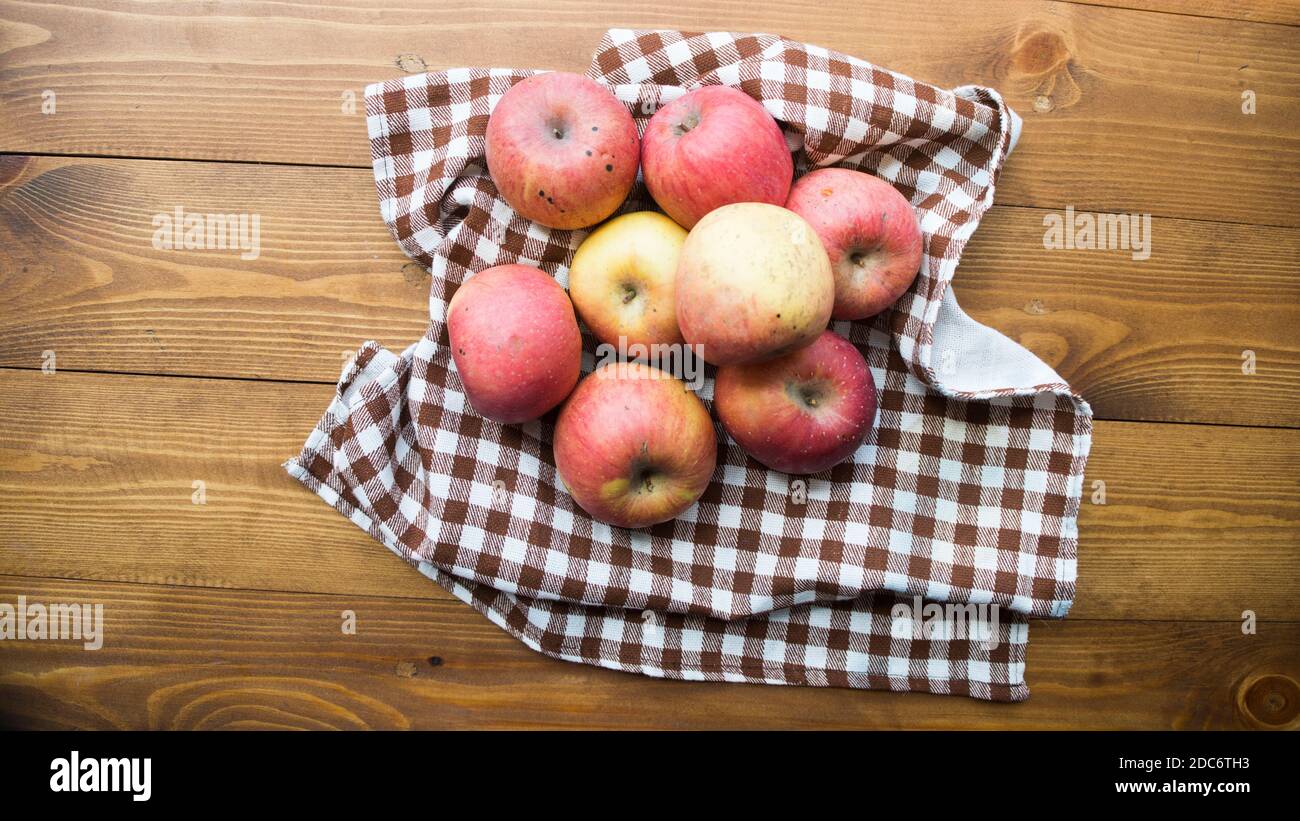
803 413
711 147
870 233
515 342
562 150
752 283
633 446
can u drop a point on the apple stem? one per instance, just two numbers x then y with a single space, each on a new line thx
688 122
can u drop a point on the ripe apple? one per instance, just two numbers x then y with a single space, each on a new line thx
711 147
515 342
623 279
803 413
562 150
753 283
870 233
633 446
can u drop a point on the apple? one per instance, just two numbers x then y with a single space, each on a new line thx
802 413
562 150
712 147
633 446
623 279
515 342
753 282
870 233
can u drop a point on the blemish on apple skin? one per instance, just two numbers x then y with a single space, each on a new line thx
609 167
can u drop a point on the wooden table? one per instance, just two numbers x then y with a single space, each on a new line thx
175 367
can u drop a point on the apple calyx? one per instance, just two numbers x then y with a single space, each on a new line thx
808 395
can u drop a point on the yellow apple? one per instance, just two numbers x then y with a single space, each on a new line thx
622 280
753 283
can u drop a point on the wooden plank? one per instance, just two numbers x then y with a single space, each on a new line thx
78 238
1161 339
1123 108
1285 12
97 473
174 658
85 282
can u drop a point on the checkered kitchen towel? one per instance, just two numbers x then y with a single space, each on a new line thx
966 492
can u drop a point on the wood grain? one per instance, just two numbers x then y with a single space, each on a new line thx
1125 110
174 658
1285 12
78 237
227 614
97 473
84 281
1160 339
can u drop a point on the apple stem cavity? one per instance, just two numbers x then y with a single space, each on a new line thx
643 479
688 122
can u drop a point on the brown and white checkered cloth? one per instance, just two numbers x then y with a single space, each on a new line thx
966 492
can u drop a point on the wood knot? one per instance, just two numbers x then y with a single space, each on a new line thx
415 274
1050 347
1041 66
411 63
1271 700
1040 53
11 168
405 669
